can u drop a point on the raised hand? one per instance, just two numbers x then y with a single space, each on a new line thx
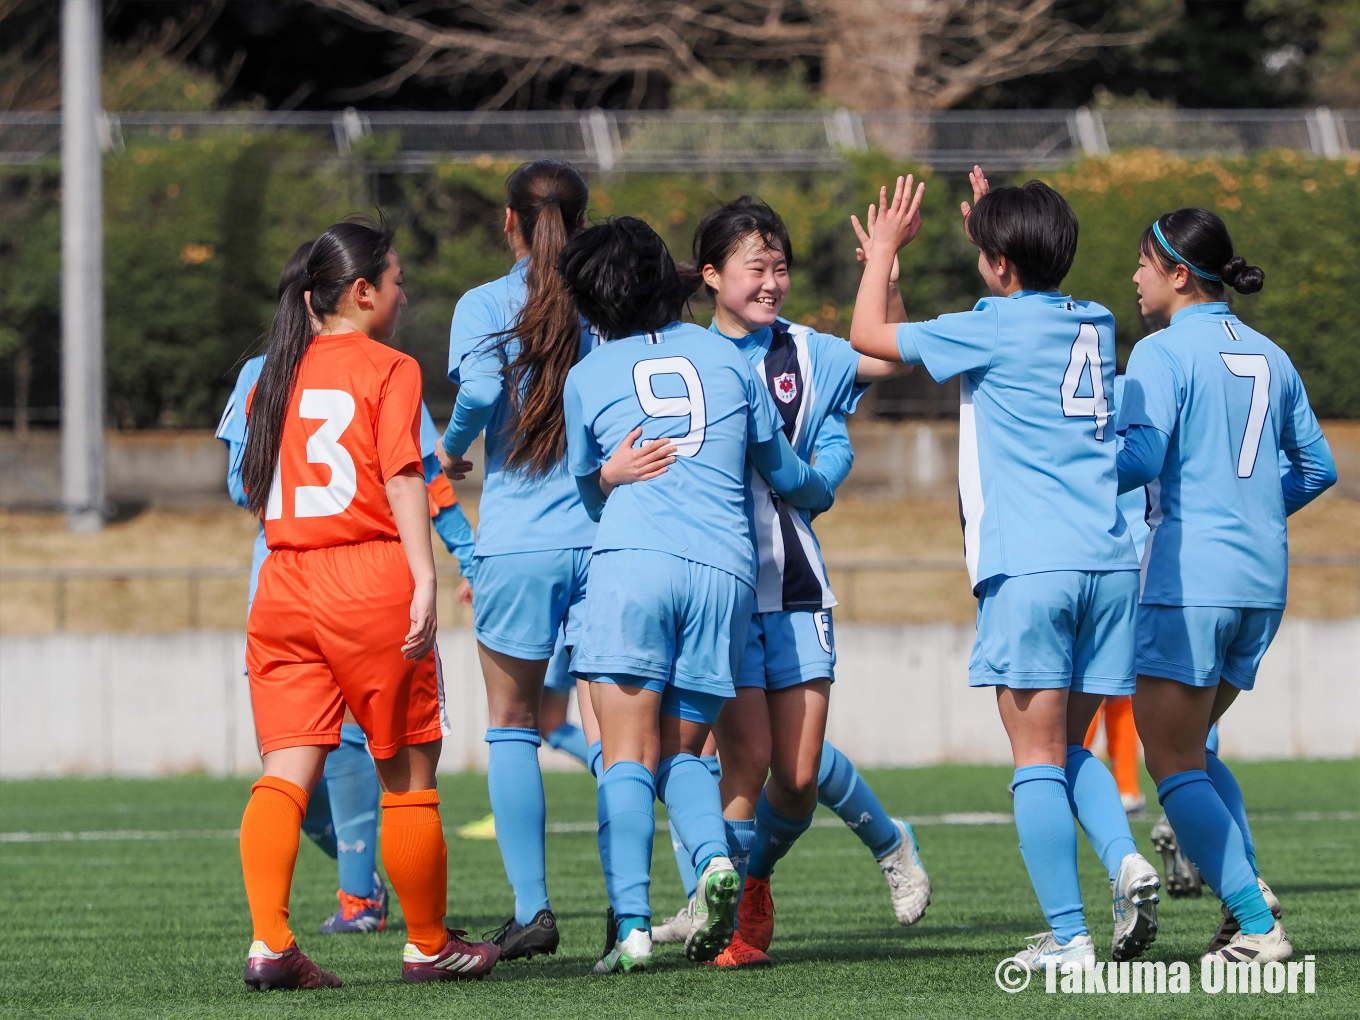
628 464
980 188
898 221
866 235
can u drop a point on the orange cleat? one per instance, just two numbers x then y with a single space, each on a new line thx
755 914
739 954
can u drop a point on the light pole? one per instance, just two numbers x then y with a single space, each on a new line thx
82 269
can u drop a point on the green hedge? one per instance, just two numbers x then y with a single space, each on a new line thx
197 229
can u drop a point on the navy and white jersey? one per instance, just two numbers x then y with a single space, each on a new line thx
811 376
701 392
1037 476
518 512
1231 401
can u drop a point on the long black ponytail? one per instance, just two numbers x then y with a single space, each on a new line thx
344 253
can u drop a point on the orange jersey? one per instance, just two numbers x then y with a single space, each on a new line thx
353 423
441 494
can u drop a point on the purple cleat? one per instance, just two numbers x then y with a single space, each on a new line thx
357 913
457 961
289 969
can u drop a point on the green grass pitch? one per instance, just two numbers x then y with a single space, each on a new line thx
159 928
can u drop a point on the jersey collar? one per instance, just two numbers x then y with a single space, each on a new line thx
1218 309
751 344
1056 296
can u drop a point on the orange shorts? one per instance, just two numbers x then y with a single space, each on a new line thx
326 631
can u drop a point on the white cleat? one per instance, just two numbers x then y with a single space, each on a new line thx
1228 927
1045 951
1182 877
1135 907
908 883
632 954
1272 947
1134 803
675 929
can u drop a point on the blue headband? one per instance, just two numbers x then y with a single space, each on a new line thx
1156 229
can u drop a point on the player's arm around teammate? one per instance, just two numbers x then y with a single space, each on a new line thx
345 609
1210 405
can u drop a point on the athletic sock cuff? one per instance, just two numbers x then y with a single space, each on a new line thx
415 798
710 762
595 760
664 767
1171 784
1030 773
1078 751
496 734
292 791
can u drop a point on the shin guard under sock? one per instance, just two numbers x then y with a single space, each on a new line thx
270 830
1225 785
1048 844
1093 797
841 788
515 783
416 859
626 810
775 834
690 793
355 796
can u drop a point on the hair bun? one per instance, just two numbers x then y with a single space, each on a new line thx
1243 278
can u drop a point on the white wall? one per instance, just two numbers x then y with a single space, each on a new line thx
143 705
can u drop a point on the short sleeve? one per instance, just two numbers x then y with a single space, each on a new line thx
1153 392
583 449
837 363
956 343
397 434
762 420
231 428
1300 427
476 317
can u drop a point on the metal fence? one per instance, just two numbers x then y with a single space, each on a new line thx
681 140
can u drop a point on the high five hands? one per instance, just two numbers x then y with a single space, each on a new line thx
898 221
866 236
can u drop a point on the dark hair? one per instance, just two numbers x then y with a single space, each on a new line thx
721 232
344 253
1201 242
294 267
549 199
623 278
1033 226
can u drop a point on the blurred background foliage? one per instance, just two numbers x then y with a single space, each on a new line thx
198 228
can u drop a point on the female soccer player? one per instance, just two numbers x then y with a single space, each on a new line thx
344 614
776 724
510 346
674 566
1047 549
1210 404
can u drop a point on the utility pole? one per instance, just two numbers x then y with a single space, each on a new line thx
82 268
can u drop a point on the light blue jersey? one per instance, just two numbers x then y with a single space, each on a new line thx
686 384
518 512
1132 504
231 429
811 375
1037 478
1230 400
450 524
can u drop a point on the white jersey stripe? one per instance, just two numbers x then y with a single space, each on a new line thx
971 501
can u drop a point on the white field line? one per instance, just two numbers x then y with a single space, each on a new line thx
563 828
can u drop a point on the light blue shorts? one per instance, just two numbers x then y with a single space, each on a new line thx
659 617
558 679
1061 628
692 706
1197 645
521 601
788 648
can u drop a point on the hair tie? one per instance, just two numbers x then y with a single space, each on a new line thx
1157 230
305 279
552 200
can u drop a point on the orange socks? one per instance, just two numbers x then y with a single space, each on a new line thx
416 858
269 845
1122 737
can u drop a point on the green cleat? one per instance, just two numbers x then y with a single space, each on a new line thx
632 954
715 911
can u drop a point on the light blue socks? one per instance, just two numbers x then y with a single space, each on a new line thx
1093 796
317 824
683 864
1205 828
1225 785
775 834
1048 844
355 795
626 810
689 791
594 758
841 788
741 837
515 784
569 738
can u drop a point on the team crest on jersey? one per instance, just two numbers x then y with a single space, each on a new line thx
786 387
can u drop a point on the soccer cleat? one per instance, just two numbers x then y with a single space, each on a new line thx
755 914
289 969
740 954
715 911
1134 803
482 828
1135 907
611 931
459 960
524 941
908 883
675 929
358 913
1228 927
1182 877
632 954
1272 947
1045 951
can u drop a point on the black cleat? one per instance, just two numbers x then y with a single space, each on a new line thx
523 941
611 931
